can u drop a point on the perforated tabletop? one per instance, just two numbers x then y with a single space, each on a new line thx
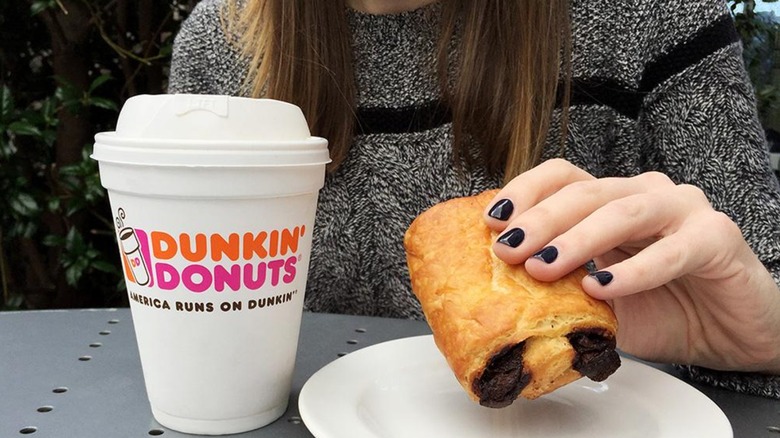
76 373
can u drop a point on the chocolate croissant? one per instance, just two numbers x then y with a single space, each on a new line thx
503 333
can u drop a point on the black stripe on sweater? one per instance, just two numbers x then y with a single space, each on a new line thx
605 92
628 100
719 34
415 118
585 91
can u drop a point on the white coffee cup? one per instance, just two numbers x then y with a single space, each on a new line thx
214 199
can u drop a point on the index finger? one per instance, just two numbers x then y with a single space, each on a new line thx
529 188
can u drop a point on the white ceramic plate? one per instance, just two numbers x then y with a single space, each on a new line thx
405 389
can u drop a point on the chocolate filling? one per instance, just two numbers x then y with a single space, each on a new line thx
596 357
503 378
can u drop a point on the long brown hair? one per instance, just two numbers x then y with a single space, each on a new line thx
509 59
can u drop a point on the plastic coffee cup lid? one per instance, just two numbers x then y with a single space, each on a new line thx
210 130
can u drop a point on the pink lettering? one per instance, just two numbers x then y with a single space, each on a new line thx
167 276
196 278
254 282
275 266
289 269
224 277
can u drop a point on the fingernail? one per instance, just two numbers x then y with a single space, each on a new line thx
513 237
502 210
548 254
603 277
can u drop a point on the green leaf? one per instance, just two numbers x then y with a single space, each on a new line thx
23 229
41 5
54 204
91 254
6 148
104 266
49 111
73 274
53 240
24 205
74 243
94 193
70 96
24 127
74 207
6 104
15 302
102 102
49 137
100 80
69 170
166 50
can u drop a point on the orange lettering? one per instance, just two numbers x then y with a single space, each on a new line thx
228 248
199 252
289 241
253 244
274 245
159 239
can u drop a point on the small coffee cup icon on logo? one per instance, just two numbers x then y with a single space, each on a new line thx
132 251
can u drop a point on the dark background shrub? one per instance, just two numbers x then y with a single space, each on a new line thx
66 67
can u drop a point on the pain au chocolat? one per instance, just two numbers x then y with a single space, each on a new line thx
503 333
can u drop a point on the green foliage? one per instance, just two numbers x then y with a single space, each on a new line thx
36 191
57 241
39 6
20 206
759 33
77 101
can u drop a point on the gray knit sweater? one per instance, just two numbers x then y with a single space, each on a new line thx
658 85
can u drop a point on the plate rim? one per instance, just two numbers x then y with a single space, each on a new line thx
318 429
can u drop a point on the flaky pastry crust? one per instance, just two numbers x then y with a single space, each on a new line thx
502 332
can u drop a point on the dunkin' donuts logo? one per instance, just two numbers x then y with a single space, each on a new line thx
199 262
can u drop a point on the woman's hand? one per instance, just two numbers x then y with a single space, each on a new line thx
684 284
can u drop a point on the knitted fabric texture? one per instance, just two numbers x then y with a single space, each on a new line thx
657 86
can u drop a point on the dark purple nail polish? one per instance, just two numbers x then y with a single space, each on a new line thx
513 237
502 210
548 254
603 277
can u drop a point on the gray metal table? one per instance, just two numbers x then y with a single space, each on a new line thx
76 373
